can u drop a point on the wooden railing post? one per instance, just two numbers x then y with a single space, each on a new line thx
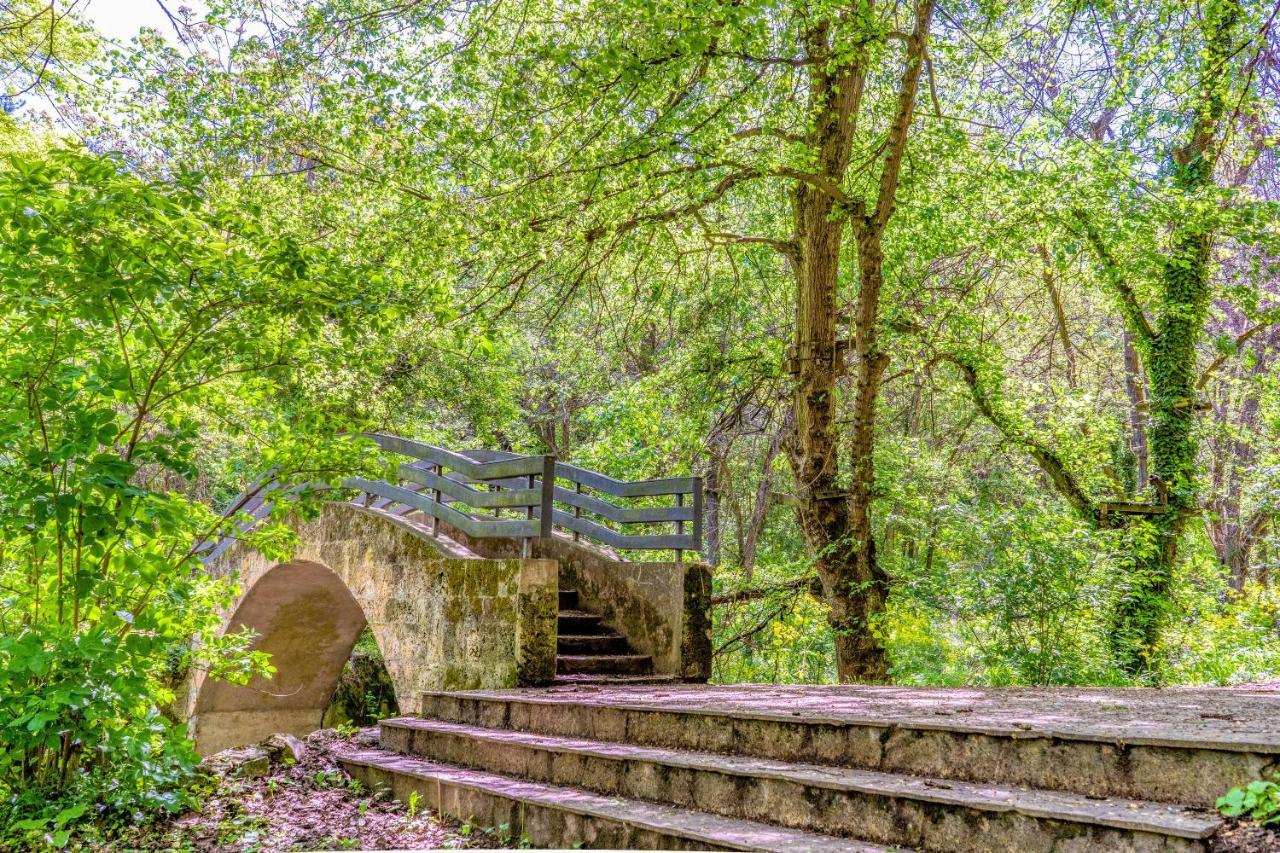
697 514
680 527
577 511
525 548
435 493
548 496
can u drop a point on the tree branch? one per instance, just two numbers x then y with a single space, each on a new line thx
898 131
1134 315
1241 340
718 192
1049 462
785 136
817 182
754 594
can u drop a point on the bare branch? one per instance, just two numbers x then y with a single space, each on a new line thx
1241 340
785 136
718 192
1134 315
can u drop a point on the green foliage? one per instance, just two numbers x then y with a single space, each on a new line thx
1010 591
780 637
1224 637
553 227
125 308
414 804
1259 800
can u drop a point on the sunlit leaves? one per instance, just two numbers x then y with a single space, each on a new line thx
126 307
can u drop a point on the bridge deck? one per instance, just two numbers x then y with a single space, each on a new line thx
1243 719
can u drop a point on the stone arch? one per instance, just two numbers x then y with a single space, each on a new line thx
442 621
308 621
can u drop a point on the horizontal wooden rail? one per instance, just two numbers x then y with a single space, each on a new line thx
479 528
513 466
512 495
470 491
579 501
611 511
602 482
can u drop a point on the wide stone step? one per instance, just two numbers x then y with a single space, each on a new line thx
553 816
891 731
568 599
885 808
597 680
604 664
579 622
591 644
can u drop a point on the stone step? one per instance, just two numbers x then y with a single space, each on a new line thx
592 644
558 817
587 680
604 664
890 732
884 808
568 599
579 622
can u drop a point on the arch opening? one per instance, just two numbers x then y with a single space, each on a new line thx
308 621
365 693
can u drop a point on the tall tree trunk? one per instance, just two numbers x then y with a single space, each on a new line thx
717 452
755 525
1171 363
822 505
1059 313
836 520
1229 530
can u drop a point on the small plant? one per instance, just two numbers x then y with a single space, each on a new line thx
415 801
52 830
1258 801
244 832
346 730
327 779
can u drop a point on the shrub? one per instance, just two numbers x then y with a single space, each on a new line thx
121 304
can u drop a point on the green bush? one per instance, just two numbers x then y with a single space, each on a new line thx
1226 637
122 305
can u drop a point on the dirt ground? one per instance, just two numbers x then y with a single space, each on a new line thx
1244 837
308 805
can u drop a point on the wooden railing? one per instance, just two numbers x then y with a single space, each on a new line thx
470 491
438 481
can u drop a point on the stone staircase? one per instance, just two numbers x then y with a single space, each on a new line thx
587 651
586 766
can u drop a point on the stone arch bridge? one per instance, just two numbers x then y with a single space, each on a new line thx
473 570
